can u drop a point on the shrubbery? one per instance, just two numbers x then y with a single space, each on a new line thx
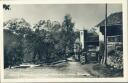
115 56
115 59
45 42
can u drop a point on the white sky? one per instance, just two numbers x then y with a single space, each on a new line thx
83 15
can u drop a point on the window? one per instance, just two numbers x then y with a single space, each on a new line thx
114 38
111 39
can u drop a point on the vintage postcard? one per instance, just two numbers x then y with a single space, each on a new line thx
64 41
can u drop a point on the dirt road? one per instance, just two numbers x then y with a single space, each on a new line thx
69 69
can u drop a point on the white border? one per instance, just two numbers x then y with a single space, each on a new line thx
61 1
125 44
125 38
1 41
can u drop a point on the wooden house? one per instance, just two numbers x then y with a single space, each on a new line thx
114 30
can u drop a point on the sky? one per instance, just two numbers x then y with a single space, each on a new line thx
83 15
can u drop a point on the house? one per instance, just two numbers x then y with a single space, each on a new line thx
86 46
88 38
114 30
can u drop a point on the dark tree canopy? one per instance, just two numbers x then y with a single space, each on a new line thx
45 42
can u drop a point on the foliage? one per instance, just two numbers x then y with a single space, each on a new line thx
115 59
45 42
68 33
14 33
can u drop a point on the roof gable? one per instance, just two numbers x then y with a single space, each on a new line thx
113 19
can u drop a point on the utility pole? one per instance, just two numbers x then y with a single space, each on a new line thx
105 36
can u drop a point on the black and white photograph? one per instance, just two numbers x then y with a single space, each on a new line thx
63 41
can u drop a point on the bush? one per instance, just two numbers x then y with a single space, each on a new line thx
115 59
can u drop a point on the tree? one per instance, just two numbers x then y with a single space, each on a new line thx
68 35
15 31
46 41
42 40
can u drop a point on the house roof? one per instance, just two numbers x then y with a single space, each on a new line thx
112 19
